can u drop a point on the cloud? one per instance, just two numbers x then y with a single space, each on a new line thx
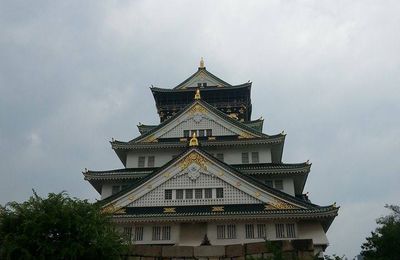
73 75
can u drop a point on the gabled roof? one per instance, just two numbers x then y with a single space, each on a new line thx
208 88
255 124
202 70
145 128
212 109
279 194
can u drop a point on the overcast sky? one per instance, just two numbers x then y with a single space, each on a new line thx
74 74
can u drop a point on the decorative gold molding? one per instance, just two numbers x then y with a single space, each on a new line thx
167 175
169 210
217 209
238 184
244 135
193 141
257 194
131 197
198 109
211 138
197 96
279 204
193 157
150 139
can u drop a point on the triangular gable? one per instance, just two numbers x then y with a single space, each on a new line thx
199 115
189 167
202 76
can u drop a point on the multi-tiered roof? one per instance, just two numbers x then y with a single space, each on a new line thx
204 96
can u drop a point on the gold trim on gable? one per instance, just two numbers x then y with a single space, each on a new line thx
150 139
198 109
193 157
279 204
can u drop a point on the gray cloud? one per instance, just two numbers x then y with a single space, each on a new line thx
73 75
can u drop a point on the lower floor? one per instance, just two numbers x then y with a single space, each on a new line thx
221 232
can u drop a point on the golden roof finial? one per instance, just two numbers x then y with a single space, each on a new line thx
202 63
193 141
197 96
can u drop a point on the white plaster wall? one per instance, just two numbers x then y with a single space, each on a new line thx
231 155
312 230
304 230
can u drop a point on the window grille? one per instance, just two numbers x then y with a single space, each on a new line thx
156 234
128 233
290 231
168 194
198 193
208 193
141 161
179 194
279 184
245 157
208 132
249 230
254 157
220 193
280 230
166 233
231 231
189 194
185 133
220 231
201 133
138 233
261 231
150 161
161 233
220 156
205 84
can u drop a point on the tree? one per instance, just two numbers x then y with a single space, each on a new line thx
384 242
57 227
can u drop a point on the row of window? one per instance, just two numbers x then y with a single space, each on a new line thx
158 233
254 156
142 161
256 231
199 132
277 184
189 194
228 231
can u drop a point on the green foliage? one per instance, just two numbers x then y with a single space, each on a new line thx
57 227
275 247
384 242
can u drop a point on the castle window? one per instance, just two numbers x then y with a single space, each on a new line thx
141 161
261 231
249 230
220 193
198 193
245 158
254 157
285 230
161 233
189 194
280 230
199 84
179 194
185 133
231 234
201 133
220 156
290 231
204 84
138 233
168 194
220 231
150 161
208 132
127 234
208 193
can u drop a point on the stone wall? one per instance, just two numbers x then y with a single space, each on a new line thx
300 249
